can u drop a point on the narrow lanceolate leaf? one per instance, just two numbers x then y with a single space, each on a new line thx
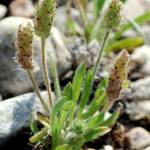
95 133
96 104
43 119
33 127
67 106
78 143
63 147
67 92
140 20
112 119
39 136
55 121
94 121
86 92
100 4
98 100
77 81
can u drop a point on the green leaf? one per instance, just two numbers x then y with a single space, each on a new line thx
99 99
96 104
63 147
78 143
95 133
67 92
98 5
34 127
94 121
139 20
86 92
43 120
67 106
55 116
77 81
39 136
129 43
112 119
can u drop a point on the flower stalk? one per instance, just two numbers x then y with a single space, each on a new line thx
104 42
111 20
54 74
45 71
36 88
24 56
43 21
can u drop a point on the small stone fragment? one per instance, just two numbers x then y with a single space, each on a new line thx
3 11
139 138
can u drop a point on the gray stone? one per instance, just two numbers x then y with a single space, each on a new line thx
139 110
3 11
82 52
139 138
141 57
61 17
133 9
139 90
16 114
138 95
12 79
21 8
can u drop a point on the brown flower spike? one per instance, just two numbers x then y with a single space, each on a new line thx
24 46
118 76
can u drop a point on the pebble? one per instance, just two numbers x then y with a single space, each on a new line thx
3 11
23 8
16 114
139 138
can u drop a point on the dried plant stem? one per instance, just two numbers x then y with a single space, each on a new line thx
95 69
36 88
82 12
45 71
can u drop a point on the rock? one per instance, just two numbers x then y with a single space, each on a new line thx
1 98
82 52
139 90
131 12
23 8
61 16
139 110
108 147
138 95
16 114
148 148
3 11
146 4
11 76
146 33
139 138
141 58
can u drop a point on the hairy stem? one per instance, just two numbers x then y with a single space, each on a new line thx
36 88
95 69
45 72
54 74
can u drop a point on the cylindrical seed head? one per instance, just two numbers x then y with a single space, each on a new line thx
112 15
44 16
24 46
118 75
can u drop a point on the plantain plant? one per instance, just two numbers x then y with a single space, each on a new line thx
74 118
